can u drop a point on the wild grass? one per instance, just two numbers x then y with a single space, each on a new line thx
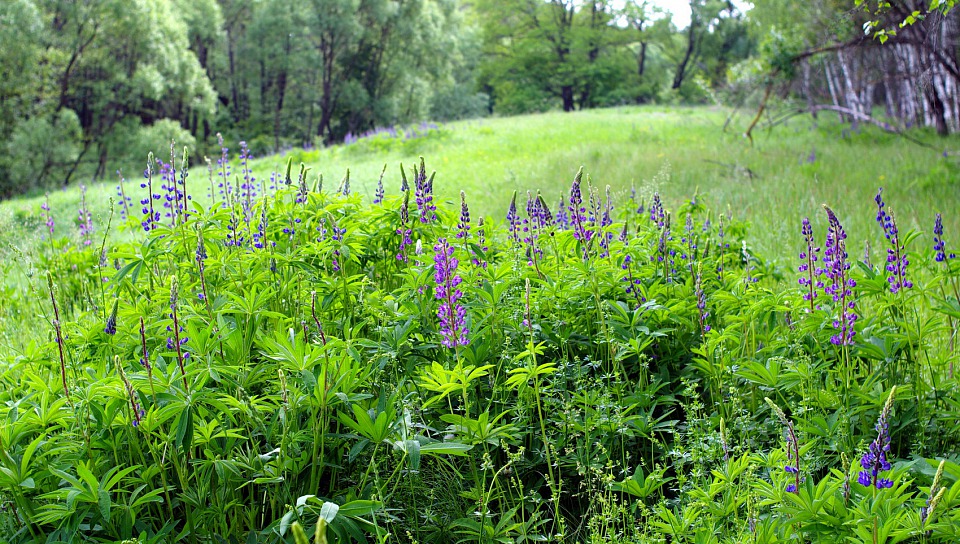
788 172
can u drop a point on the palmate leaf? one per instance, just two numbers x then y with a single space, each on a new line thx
640 484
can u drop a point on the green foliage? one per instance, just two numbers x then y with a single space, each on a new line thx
277 372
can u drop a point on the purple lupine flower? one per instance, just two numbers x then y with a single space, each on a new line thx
665 236
657 214
836 268
463 227
702 313
624 233
809 258
451 313
84 219
404 230
482 242
125 201
423 193
938 244
247 188
378 195
689 240
223 167
145 358
48 217
562 219
897 261
793 447
606 219
632 283
177 342
345 184
137 410
513 220
337 237
259 238
151 216
111 326
874 461
578 216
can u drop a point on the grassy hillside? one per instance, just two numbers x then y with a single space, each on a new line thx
789 171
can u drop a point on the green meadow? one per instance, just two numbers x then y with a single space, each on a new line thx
678 151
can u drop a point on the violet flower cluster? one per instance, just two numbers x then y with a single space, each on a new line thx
379 194
84 219
125 201
702 312
897 261
939 248
808 264
482 242
874 461
837 269
451 313
578 218
151 217
404 229
606 219
463 227
423 193
793 447
336 234
562 219
513 220
223 171
111 325
48 217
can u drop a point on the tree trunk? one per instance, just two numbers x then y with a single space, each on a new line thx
566 94
682 67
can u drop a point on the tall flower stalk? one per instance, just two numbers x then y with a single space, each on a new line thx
793 447
840 287
59 333
451 313
177 340
897 261
808 266
875 461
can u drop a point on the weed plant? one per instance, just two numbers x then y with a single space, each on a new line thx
290 360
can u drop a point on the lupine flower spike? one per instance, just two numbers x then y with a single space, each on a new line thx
378 195
111 326
702 312
177 342
59 333
463 227
48 217
135 407
938 244
84 219
808 264
836 267
793 447
874 461
928 510
897 261
513 220
404 229
451 313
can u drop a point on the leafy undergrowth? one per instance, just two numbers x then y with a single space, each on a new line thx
397 372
